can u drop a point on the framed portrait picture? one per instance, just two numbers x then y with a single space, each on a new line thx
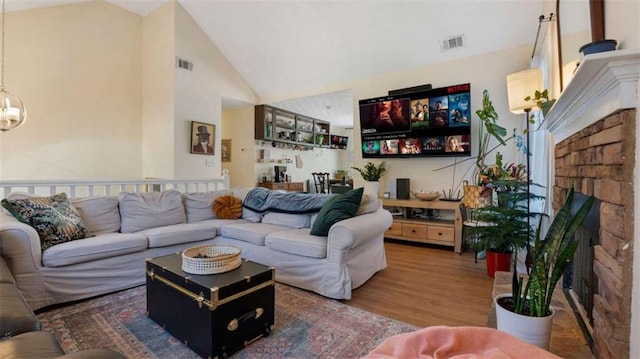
226 150
202 138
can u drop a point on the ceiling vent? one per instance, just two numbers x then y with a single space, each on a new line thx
452 42
184 64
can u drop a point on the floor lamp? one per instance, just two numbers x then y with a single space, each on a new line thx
520 85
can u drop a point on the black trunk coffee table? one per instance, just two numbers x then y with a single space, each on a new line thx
216 314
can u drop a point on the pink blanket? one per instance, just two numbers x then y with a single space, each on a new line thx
456 342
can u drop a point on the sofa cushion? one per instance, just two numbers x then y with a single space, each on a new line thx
250 232
251 216
247 214
5 273
337 208
54 218
227 207
369 204
299 242
99 213
15 315
287 220
38 344
179 233
150 209
197 205
101 246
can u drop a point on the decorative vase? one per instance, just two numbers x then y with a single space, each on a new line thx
372 187
598 46
498 262
533 330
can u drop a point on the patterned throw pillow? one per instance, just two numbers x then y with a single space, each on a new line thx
54 218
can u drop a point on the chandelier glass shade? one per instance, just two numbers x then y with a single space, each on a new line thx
12 111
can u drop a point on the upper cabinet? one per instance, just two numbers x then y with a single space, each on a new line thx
274 124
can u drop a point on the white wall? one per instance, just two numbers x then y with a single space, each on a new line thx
158 134
237 125
104 98
198 96
78 69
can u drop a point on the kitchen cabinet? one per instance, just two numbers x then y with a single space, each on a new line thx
274 124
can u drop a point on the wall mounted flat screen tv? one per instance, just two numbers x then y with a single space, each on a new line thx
435 122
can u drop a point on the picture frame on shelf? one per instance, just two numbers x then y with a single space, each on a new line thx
203 138
226 150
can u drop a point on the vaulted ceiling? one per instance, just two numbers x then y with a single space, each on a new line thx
287 47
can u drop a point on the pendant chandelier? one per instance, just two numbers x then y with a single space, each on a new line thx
12 111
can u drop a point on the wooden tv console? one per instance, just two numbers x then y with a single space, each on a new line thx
446 232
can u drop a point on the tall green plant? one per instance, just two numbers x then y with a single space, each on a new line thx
551 256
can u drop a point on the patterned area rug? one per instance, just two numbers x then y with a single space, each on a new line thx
306 326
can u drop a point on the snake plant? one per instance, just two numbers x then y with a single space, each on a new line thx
550 257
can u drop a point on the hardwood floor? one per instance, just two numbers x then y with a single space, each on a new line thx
427 286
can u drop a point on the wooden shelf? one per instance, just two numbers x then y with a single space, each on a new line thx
274 124
447 232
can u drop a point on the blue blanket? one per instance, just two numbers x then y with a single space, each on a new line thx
262 200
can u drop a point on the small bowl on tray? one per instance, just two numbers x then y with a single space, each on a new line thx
426 196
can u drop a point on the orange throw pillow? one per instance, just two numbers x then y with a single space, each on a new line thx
227 207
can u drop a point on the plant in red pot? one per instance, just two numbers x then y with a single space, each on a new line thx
508 220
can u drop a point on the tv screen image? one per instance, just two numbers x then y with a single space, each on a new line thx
340 142
434 122
438 111
420 113
391 116
459 110
371 147
389 147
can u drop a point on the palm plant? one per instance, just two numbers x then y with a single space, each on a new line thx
550 257
371 172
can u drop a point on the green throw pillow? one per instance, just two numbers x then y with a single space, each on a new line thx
337 208
54 218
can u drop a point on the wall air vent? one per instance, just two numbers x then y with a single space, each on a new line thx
184 64
452 42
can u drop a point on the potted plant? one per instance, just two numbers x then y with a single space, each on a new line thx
479 194
371 173
528 305
507 221
542 101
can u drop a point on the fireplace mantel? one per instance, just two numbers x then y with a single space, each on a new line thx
603 84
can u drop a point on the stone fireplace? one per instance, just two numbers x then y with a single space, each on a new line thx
599 161
594 126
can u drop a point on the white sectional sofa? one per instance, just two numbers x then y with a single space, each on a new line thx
128 228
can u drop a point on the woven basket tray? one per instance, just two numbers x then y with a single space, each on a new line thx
211 259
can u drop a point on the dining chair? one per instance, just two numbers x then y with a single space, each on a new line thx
321 181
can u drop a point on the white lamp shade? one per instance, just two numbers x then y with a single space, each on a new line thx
520 85
12 111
